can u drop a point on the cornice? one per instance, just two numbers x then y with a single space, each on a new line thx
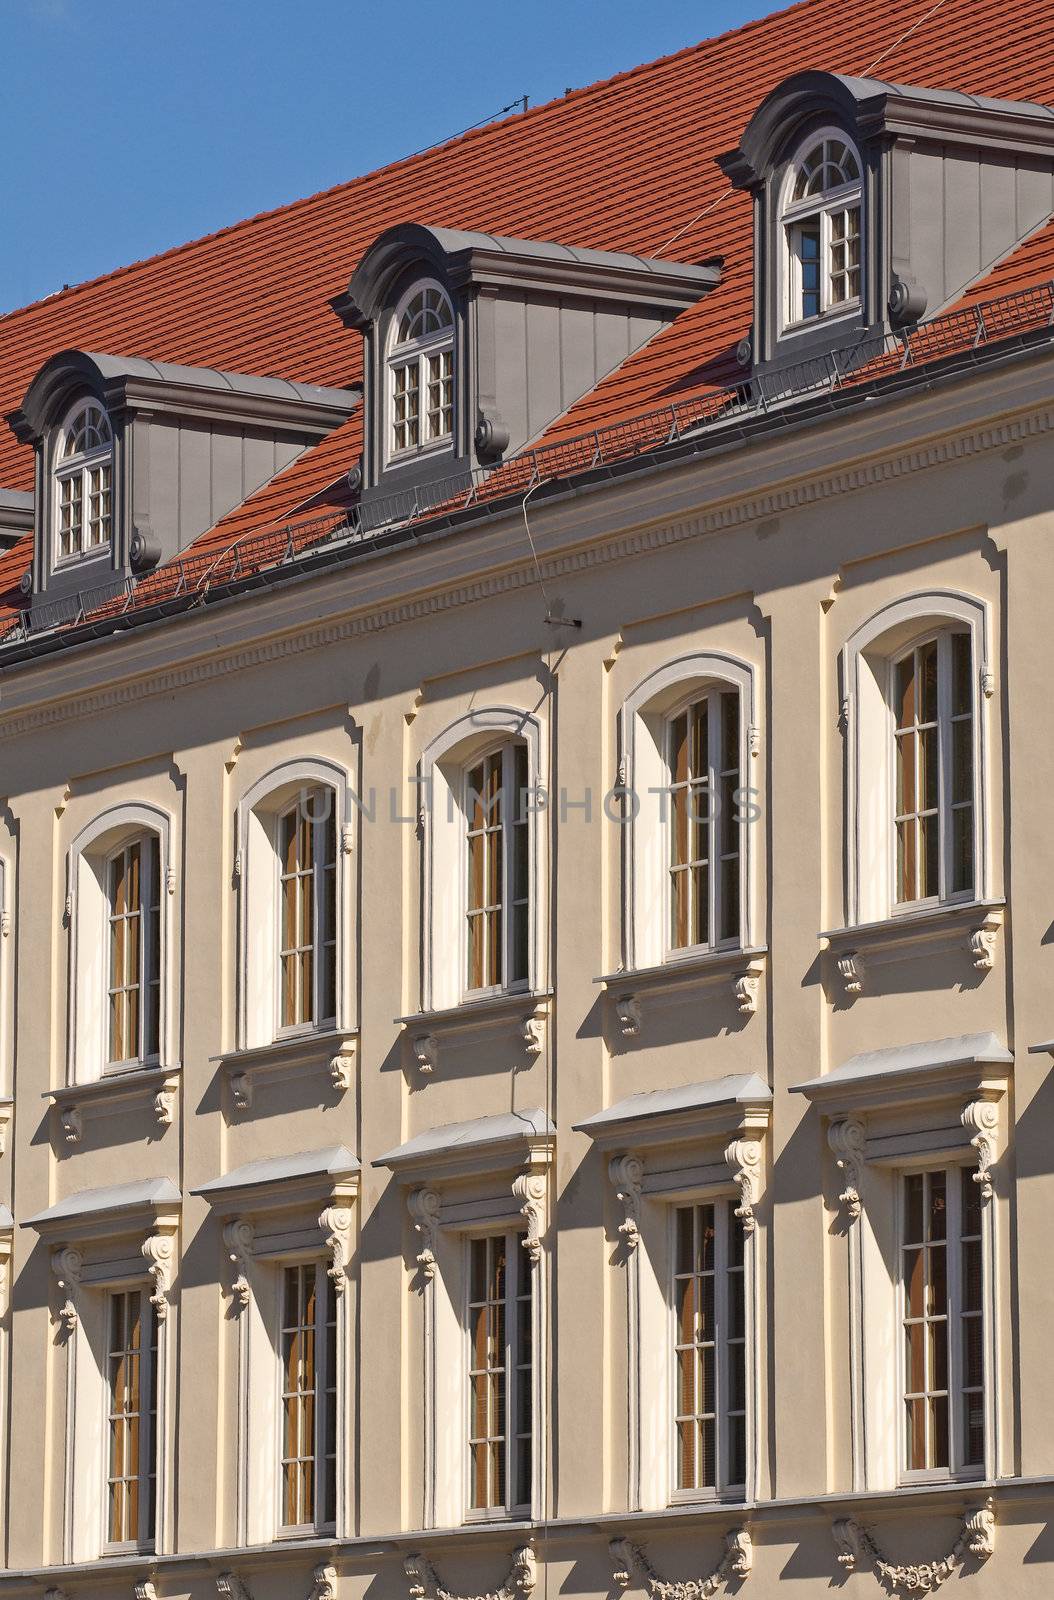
734 512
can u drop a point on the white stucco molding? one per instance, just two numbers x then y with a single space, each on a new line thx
865 661
630 1560
426 1584
86 915
254 856
442 765
643 772
856 1548
286 1203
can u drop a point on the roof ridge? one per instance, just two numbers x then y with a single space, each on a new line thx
600 86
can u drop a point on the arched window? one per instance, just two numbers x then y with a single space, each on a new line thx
821 226
121 883
687 733
83 473
292 839
486 855
421 372
913 676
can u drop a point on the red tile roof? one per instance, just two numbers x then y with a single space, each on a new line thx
628 164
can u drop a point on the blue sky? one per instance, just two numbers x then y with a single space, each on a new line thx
133 125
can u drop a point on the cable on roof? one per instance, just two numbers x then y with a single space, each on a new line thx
520 102
888 51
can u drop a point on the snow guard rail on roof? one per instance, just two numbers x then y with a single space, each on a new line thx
1025 316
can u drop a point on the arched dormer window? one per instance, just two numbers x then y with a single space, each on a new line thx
421 372
821 227
83 473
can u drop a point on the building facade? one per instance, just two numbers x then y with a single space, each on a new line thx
525 875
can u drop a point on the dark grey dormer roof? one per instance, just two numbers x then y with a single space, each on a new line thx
127 382
873 107
534 266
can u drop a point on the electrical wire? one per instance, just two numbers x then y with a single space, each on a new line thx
900 40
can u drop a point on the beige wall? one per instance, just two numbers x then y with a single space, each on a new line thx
774 555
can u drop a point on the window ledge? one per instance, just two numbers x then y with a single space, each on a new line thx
968 925
528 1009
286 1058
743 966
72 1103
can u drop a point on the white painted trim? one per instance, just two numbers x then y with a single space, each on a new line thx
818 206
417 350
6 969
442 765
256 872
868 766
642 719
86 1051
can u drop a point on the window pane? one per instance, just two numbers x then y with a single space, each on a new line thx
962 676
928 681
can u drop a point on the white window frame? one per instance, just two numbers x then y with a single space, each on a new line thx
6 998
643 723
867 705
257 873
442 777
523 1272
956 1471
147 933
818 207
80 466
322 1277
321 1020
147 1401
726 1488
87 899
418 351
506 747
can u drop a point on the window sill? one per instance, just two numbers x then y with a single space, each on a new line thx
971 926
525 1009
287 1057
76 1100
744 967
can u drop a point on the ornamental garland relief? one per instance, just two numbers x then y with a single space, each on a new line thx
856 1547
426 1584
734 1566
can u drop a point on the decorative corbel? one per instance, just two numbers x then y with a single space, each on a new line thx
324 1584
626 1173
165 1101
5 1125
159 1252
982 941
987 677
743 1158
845 1139
342 1066
6 1247
335 1223
851 971
144 1589
238 1243
745 987
170 880
72 1124
231 1587
754 739
532 1031
425 1580
735 1565
426 1052
55 1594
855 1547
241 1086
67 1264
423 1206
530 1188
628 1013
981 1119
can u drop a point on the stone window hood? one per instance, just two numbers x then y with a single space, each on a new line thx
950 183
537 325
189 444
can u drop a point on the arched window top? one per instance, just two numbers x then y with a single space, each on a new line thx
828 163
424 313
86 432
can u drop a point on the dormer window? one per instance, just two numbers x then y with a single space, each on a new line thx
84 482
822 230
421 372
